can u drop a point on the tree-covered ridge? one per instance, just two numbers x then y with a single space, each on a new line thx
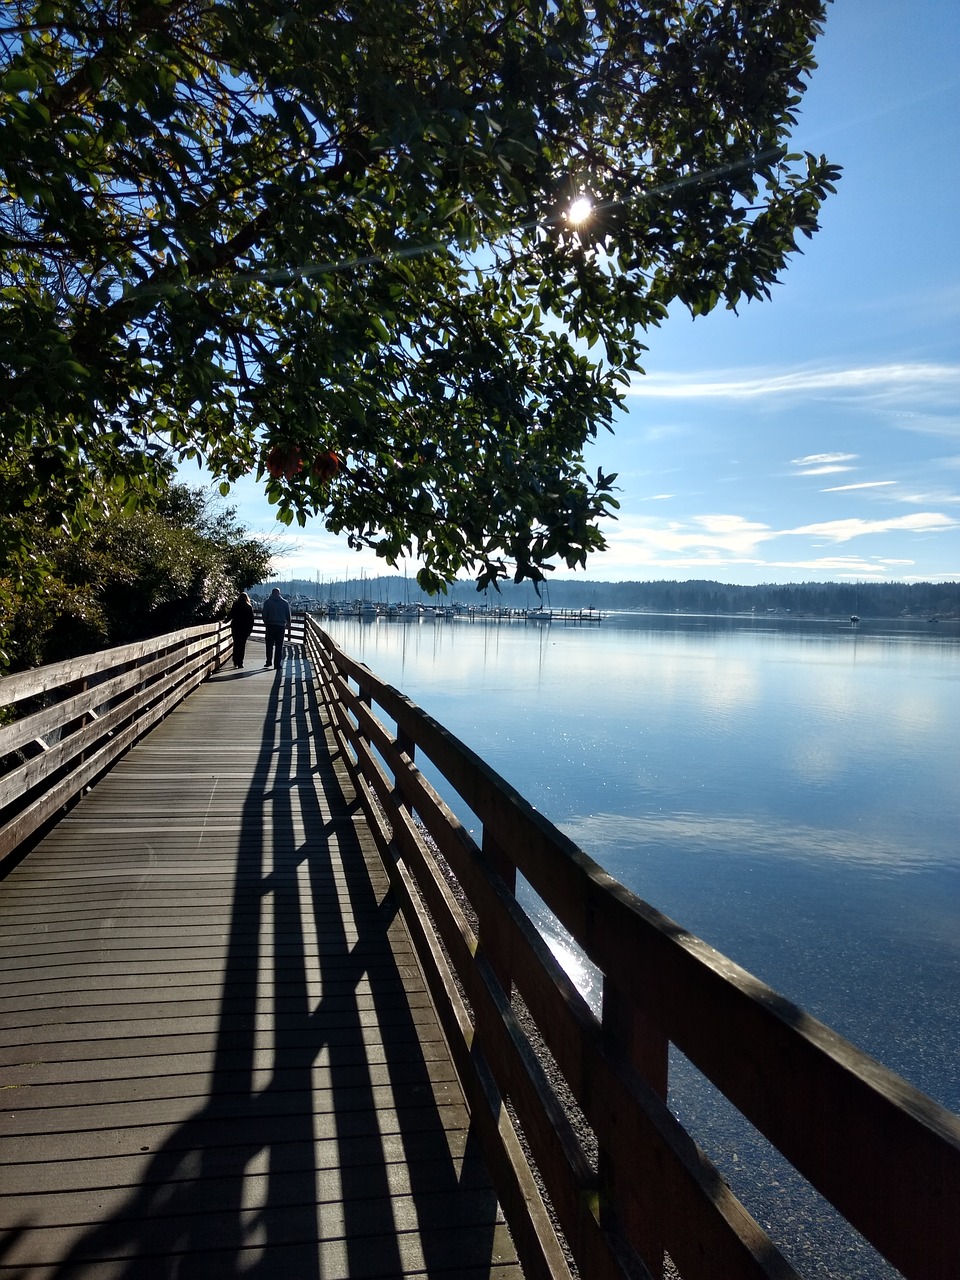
328 244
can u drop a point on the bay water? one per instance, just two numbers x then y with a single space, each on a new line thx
787 789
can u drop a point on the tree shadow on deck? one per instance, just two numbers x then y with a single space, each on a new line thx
321 1148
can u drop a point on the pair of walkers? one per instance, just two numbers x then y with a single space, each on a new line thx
276 624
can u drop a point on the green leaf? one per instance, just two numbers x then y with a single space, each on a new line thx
19 81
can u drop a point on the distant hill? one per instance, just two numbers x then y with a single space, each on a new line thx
806 599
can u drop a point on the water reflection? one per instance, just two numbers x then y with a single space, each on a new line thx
785 789
695 836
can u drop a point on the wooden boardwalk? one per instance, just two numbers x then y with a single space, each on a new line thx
217 1056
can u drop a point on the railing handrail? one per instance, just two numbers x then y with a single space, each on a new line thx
90 711
40 680
297 624
884 1154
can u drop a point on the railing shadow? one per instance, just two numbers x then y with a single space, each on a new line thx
319 1148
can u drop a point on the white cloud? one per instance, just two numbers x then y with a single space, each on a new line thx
919 379
732 548
665 431
930 424
326 557
844 530
821 459
923 499
863 484
824 471
733 535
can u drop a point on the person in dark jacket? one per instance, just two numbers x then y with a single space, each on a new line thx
276 620
240 618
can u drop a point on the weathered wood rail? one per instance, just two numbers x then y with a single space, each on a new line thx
69 721
62 725
217 1052
885 1155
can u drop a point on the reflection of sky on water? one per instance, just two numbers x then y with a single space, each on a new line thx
789 792
786 791
690 835
862 932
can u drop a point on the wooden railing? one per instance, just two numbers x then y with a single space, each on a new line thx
886 1156
297 624
62 725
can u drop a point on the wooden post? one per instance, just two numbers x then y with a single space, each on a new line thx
408 747
632 1195
506 869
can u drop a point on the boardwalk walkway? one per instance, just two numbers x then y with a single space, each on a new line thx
217 1057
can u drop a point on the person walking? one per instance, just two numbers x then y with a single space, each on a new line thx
240 618
277 619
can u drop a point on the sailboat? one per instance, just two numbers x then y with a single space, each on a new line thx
543 613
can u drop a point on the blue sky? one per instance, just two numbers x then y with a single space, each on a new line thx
815 436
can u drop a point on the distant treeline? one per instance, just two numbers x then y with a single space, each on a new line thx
810 599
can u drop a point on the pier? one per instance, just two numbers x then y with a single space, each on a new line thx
268 1008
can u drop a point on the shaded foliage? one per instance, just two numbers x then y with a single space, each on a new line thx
129 577
328 245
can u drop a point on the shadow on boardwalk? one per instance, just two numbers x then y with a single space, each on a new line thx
328 1136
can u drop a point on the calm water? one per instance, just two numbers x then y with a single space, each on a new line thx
788 791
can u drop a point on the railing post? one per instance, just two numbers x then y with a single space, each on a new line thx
221 644
491 945
408 747
71 691
366 698
634 1194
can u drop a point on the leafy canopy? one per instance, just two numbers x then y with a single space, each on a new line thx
327 244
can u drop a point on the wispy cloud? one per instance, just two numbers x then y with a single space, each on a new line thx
926 499
926 424
630 558
732 548
663 431
863 484
844 530
823 459
918 378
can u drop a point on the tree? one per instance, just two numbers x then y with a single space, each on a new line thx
173 564
330 244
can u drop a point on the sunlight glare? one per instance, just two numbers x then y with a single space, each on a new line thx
579 210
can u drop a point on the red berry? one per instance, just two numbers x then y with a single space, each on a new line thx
326 465
284 460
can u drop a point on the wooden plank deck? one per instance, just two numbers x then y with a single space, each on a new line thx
217 1055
